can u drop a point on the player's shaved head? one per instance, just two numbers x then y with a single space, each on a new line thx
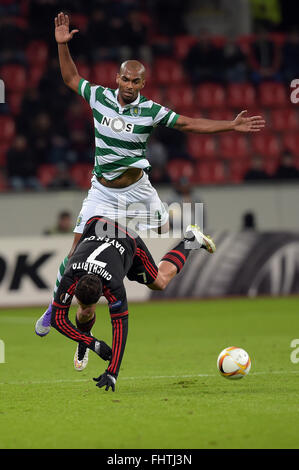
133 66
130 80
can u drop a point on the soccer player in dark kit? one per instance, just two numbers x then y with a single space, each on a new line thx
106 253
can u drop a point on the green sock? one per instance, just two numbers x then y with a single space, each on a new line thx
60 274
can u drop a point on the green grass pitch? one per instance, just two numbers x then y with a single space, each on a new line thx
169 394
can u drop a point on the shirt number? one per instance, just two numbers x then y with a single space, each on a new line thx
92 257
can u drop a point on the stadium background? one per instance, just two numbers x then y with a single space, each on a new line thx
169 394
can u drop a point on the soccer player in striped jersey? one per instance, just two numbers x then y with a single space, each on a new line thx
105 254
123 121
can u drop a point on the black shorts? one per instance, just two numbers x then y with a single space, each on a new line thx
144 269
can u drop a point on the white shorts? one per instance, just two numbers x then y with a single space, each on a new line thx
138 202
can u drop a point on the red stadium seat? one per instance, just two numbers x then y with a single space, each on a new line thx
7 129
213 172
3 182
14 77
238 169
284 119
79 21
46 174
244 42
290 141
83 70
35 74
270 165
153 93
221 114
202 173
3 151
266 144
168 71
104 74
210 95
179 168
180 98
202 146
272 94
37 52
233 145
81 174
182 45
241 95
15 102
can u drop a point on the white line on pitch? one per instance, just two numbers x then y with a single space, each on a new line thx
41 382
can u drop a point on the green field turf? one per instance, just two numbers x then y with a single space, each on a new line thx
169 393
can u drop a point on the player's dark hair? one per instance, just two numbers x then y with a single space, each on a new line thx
89 289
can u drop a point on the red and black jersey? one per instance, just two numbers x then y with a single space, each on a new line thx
110 251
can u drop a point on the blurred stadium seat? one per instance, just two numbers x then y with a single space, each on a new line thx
210 95
182 45
81 174
202 146
3 151
46 174
84 70
7 129
241 95
270 165
238 169
272 94
168 71
290 141
14 100
221 114
180 98
233 145
213 172
14 77
104 74
266 144
179 168
284 119
79 21
35 74
153 93
37 53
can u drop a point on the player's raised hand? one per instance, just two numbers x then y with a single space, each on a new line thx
62 29
248 124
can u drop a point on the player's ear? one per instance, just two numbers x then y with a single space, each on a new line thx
117 78
143 84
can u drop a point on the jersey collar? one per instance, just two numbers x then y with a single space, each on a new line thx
134 103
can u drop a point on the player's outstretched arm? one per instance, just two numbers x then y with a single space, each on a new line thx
63 35
201 125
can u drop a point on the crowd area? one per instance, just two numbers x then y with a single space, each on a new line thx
46 131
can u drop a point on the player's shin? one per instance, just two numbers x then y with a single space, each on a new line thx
177 256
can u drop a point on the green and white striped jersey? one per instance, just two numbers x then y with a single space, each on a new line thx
121 133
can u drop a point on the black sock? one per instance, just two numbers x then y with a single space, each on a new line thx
177 256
